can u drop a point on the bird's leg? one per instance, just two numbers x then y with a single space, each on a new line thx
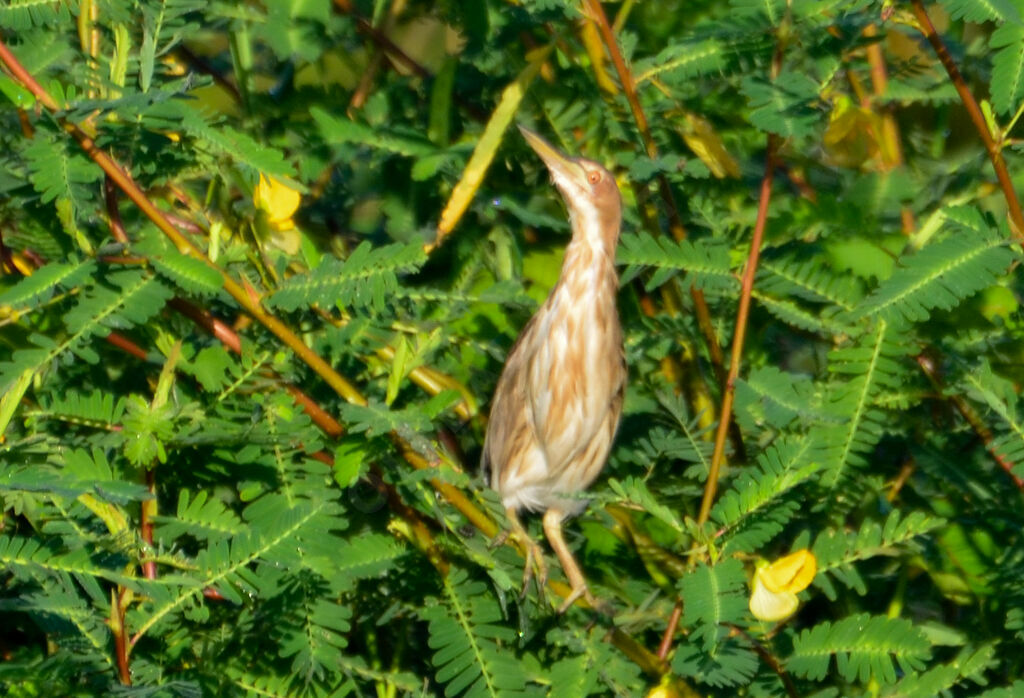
553 530
534 554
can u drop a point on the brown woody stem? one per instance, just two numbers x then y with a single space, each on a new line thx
742 317
993 149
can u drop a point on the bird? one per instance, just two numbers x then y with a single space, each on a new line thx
558 401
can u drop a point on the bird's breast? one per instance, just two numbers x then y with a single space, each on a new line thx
578 369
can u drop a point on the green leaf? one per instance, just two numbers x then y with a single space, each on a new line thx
782 106
715 596
1007 84
363 281
865 647
943 273
188 273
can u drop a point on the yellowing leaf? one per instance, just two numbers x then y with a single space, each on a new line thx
852 134
705 143
488 144
278 200
998 302
595 51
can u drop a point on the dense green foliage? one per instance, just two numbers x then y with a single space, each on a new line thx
170 523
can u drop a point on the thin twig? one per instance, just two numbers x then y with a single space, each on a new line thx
113 213
742 317
927 365
743 314
769 659
120 634
891 147
127 345
995 154
204 66
670 630
147 511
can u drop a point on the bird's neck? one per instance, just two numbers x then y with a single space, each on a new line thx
592 248
588 270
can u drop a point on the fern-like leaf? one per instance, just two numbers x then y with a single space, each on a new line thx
999 394
203 517
749 509
1007 66
40 286
943 273
465 640
705 263
836 551
682 61
864 647
189 274
983 10
19 15
365 280
874 363
715 596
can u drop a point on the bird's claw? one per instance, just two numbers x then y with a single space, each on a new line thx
602 607
534 558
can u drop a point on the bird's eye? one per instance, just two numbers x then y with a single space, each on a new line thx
594 177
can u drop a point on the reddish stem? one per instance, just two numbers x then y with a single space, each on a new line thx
968 413
670 630
993 149
125 344
121 639
742 317
113 213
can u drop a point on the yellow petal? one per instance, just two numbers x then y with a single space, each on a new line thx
276 198
791 574
768 605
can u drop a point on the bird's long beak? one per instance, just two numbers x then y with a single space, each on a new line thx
561 166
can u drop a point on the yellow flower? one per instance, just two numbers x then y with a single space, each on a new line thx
776 585
278 200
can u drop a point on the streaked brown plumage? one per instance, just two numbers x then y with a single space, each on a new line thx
559 398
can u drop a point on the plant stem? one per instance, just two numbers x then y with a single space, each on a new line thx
670 630
742 317
995 154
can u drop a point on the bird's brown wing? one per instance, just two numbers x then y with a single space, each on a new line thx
510 429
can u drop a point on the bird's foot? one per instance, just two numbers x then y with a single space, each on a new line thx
534 562
602 607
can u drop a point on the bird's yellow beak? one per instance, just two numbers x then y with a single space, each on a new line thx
561 166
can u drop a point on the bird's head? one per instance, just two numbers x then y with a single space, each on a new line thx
589 190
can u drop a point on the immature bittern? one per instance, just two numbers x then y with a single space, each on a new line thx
559 397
